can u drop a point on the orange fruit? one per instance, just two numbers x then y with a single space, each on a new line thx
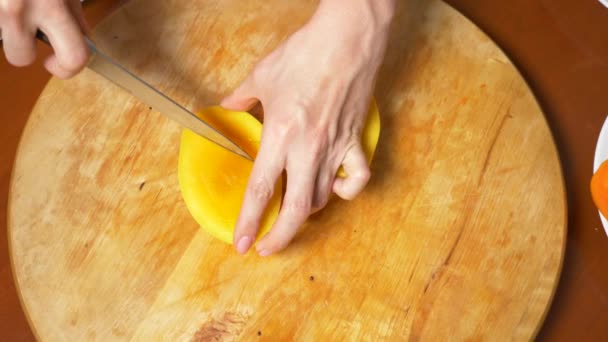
599 188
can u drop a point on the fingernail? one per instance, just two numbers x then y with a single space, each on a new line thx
243 245
264 252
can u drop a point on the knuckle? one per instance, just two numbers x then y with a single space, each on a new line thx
76 60
21 62
24 59
246 225
317 142
12 8
318 134
281 131
299 114
349 196
280 245
363 175
259 73
55 9
299 207
261 191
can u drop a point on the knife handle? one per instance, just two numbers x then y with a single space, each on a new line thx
41 36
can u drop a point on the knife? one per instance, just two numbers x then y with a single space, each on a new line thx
119 75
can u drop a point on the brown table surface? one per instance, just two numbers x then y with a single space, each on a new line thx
561 48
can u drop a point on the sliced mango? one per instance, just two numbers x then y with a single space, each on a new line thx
213 180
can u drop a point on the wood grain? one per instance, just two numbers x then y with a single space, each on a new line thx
460 233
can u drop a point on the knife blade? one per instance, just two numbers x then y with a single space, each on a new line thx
119 75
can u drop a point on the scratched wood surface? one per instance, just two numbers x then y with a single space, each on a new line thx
460 233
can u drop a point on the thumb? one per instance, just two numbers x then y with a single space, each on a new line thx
242 99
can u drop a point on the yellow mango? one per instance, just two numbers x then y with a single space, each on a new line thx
213 180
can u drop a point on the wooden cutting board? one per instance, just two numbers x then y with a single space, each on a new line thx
460 233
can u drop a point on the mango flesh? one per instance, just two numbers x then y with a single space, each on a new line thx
213 180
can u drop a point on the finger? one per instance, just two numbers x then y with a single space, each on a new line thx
267 168
78 13
19 44
66 38
243 98
357 174
323 189
294 211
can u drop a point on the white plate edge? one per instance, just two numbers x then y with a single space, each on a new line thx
601 154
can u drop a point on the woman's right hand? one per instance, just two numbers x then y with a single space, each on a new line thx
63 23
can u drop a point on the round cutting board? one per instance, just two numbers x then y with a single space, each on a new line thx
460 233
